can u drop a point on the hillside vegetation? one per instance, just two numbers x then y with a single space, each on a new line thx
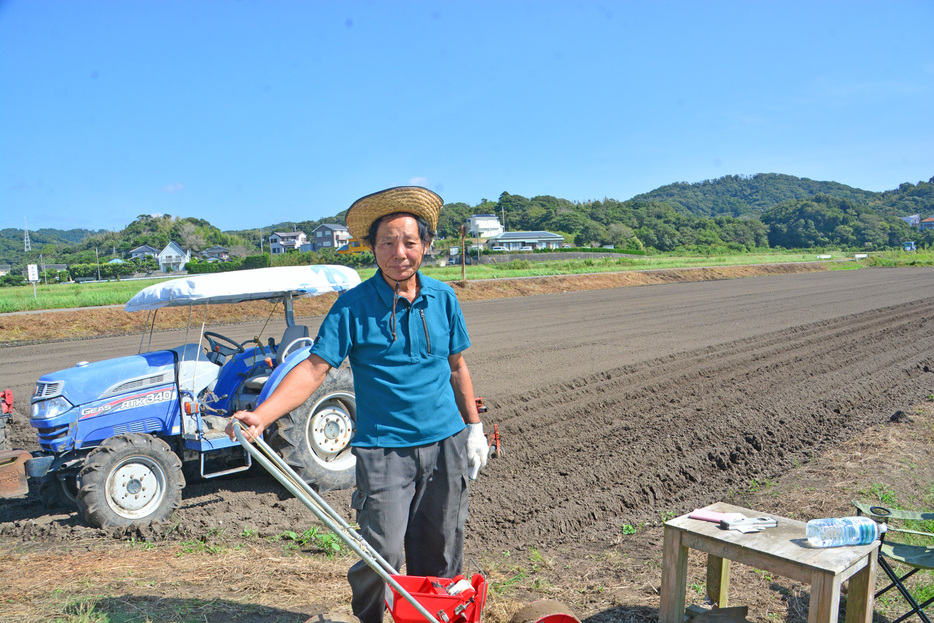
734 213
747 195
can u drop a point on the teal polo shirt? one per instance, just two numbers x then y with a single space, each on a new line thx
403 387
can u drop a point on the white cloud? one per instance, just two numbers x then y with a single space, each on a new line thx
173 188
419 181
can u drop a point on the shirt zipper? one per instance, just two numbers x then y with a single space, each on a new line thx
425 324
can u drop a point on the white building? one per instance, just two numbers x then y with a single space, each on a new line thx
484 226
329 236
173 258
914 220
525 241
280 242
216 254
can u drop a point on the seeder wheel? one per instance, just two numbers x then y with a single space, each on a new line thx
545 611
333 617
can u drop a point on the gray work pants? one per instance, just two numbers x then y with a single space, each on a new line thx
411 503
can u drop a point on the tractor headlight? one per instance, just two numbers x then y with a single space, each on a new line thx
45 409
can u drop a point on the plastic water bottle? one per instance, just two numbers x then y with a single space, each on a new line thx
843 531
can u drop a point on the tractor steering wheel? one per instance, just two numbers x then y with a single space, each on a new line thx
221 349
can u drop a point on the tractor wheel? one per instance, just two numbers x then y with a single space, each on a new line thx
545 611
130 480
314 439
59 493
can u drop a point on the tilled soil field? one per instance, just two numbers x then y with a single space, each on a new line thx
617 408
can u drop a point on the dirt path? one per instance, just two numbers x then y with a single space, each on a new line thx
618 407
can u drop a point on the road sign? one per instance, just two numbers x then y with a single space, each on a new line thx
32 271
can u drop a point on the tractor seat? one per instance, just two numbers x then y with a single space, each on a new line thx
291 335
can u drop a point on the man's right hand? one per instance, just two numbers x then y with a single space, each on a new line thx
297 386
477 449
251 424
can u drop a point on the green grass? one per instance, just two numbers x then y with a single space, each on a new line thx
901 258
514 576
129 609
883 493
329 543
71 295
921 585
543 268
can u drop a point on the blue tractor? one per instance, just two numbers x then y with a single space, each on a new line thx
119 437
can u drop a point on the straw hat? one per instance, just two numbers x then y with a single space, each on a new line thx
413 199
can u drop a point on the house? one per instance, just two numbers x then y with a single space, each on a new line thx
329 236
216 254
927 223
914 220
5 269
173 258
280 242
353 246
484 226
525 240
143 251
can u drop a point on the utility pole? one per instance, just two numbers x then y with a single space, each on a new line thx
463 235
26 244
97 255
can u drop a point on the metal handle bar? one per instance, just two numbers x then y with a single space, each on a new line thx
281 471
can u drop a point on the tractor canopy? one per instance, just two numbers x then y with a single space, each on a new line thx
252 285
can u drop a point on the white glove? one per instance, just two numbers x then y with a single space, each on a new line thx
477 449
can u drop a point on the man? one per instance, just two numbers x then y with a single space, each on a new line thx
404 334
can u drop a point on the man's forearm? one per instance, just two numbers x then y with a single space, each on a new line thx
297 386
463 392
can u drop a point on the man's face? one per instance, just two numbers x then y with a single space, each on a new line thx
399 249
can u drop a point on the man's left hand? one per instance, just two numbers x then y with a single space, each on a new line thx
477 449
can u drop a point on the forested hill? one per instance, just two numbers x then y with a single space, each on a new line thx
12 241
906 200
732 213
748 195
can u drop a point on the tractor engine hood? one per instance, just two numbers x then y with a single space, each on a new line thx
88 382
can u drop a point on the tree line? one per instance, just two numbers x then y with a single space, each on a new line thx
730 214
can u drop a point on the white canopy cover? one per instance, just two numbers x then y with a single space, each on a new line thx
246 285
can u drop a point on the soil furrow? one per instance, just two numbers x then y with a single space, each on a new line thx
827 367
615 406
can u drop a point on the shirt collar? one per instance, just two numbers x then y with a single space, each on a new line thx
385 291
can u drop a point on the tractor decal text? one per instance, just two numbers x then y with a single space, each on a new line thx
133 402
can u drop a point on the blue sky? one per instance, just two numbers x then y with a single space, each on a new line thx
257 112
